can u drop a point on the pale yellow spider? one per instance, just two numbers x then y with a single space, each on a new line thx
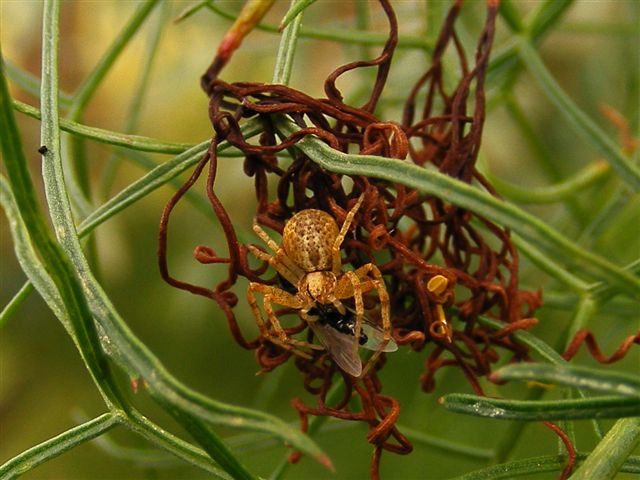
310 260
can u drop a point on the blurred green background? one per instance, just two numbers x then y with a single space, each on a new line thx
45 389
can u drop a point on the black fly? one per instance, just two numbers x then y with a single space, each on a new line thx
335 331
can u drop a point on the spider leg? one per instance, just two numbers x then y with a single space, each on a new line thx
304 314
280 255
378 283
253 303
279 266
262 326
335 249
349 285
278 335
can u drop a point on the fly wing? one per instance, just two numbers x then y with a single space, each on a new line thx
340 348
375 337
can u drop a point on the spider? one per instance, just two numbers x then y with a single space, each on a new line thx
309 259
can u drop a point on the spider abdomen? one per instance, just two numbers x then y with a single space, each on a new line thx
308 239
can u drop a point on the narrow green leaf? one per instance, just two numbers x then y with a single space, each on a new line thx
57 445
545 15
337 35
567 301
544 263
296 10
548 13
448 446
511 16
197 198
30 83
584 311
135 142
190 10
608 458
10 308
574 409
581 123
138 96
93 80
288 42
589 175
30 262
528 339
537 465
467 196
209 441
172 444
600 380
143 186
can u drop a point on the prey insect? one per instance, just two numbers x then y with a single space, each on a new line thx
336 332
310 260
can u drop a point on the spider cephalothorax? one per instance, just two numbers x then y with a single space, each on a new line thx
309 259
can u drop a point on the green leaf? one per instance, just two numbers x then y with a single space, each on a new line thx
297 7
210 442
135 142
583 125
600 380
608 458
58 445
28 258
511 16
10 308
190 10
589 175
172 444
528 339
444 445
92 81
337 35
546 15
574 409
29 83
544 263
143 186
535 466
289 40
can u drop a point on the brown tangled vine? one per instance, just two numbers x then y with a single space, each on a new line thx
411 237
